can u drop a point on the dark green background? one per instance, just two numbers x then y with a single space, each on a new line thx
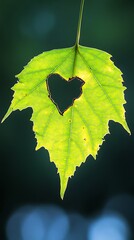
28 28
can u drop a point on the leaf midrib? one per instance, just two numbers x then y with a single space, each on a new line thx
71 115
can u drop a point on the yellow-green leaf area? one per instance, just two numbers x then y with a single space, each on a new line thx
80 131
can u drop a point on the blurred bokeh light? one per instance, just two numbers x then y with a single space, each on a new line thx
109 227
50 222
38 223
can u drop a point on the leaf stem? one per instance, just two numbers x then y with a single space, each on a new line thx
79 23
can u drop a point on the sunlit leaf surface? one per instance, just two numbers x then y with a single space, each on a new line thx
80 131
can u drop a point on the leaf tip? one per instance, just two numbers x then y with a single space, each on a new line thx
6 115
126 127
128 130
63 186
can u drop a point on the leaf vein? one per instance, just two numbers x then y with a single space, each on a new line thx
69 140
87 126
92 108
79 148
40 83
100 85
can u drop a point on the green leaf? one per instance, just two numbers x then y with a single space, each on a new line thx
80 131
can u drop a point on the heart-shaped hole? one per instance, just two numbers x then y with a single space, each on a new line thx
63 93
